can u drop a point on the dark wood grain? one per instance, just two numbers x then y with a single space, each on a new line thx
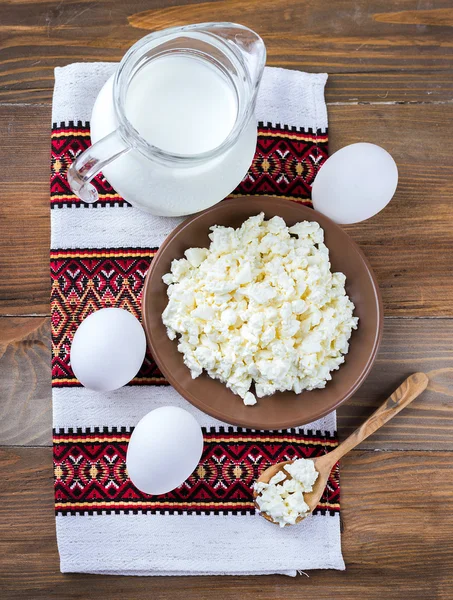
390 82
24 243
370 45
399 86
413 262
396 540
24 210
25 406
408 346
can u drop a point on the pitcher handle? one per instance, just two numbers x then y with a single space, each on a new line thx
91 161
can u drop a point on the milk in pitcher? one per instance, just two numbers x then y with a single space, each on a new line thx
182 105
174 130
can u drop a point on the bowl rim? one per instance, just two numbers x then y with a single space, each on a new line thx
213 412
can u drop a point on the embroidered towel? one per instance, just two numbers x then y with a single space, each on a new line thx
99 257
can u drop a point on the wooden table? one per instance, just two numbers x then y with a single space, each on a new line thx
391 82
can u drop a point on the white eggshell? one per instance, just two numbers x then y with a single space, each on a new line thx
108 349
355 183
164 450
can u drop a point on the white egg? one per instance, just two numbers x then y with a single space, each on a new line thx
108 349
355 183
164 450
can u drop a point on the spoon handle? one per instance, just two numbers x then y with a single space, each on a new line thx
412 387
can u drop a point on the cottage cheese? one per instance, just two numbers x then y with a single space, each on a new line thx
260 306
282 498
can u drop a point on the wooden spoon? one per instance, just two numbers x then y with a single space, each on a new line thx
414 385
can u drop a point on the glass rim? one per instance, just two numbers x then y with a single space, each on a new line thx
120 85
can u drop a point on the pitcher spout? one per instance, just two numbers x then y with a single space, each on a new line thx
247 47
251 48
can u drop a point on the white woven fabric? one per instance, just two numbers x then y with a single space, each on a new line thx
172 544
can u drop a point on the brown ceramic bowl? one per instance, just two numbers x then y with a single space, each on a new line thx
283 409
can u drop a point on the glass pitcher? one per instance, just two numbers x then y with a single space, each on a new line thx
173 130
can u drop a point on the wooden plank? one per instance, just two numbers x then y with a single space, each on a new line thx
26 408
360 39
386 87
25 149
413 262
408 345
397 518
24 245
24 210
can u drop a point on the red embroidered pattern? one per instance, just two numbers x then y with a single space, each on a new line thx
91 475
285 164
84 281
90 467
67 142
